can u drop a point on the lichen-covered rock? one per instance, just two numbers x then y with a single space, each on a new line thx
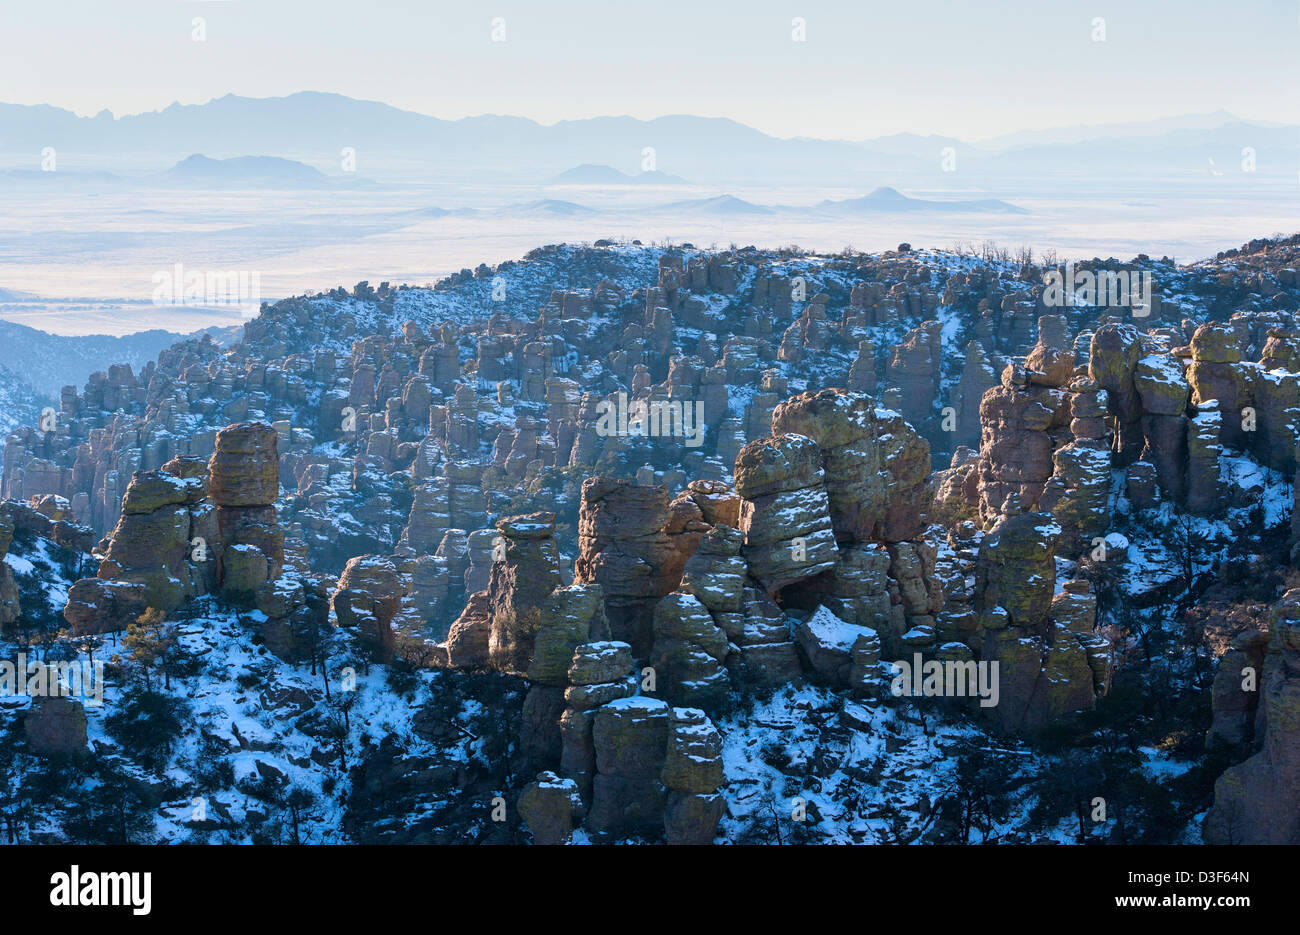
634 542
768 655
1217 372
1277 419
718 502
875 464
547 807
828 644
689 649
593 663
1113 356
368 597
630 738
245 467
1234 697
56 726
693 774
244 570
150 491
1051 662
715 574
1082 470
520 587
1258 801
99 606
785 513
571 616
1204 446
1015 448
1049 366
1161 385
467 640
1016 569
578 749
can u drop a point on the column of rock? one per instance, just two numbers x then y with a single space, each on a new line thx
571 617
549 806
1044 668
977 377
1277 397
785 514
693 775
1217 372
462 423
915 368
634 542
1164 392
9 596
1078 492
688 653
527 572
430 583
429 518
1015 445
1112 362
1204 446
244 482
1258 801
598 674
862 372
630 740
715 576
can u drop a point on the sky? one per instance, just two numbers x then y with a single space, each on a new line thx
973 70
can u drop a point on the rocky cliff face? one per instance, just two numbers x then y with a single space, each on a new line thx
1258 801
684 482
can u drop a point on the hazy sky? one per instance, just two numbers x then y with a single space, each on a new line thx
973 69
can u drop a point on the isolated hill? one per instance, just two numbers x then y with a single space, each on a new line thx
719 204
892 200
589 174
252 172
543 207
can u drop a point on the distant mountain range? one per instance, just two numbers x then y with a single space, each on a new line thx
880 200
389 143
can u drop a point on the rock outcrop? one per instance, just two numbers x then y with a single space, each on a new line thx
1258 801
